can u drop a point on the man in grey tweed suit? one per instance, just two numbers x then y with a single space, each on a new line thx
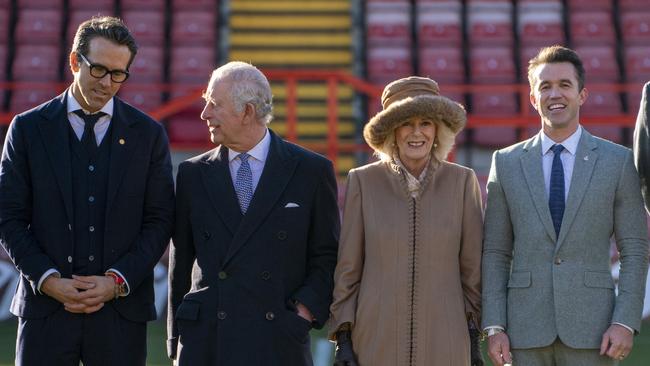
642 144
548 293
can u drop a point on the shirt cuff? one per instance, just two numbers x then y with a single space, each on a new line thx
487 329
44 276
624 326
128 288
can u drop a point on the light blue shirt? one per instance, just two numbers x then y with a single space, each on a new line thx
568 157
256 161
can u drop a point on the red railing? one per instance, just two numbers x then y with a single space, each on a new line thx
332 79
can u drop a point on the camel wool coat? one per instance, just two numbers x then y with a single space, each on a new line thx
408 272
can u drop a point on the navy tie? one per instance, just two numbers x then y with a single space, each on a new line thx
244 183
88 138
556 191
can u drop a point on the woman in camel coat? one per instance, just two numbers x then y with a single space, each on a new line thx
408 275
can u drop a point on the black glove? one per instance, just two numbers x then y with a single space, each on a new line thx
344 355
475 345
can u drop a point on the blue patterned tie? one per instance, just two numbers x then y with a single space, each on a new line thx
244 183
556 191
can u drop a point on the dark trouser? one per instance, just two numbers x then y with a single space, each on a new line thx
103 338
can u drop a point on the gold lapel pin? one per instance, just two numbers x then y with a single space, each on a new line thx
122 142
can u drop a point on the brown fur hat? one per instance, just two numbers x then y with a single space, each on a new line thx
409 97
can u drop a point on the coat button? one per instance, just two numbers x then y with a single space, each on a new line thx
221 315
91 228
69 259
282 234
270 315
558 260
91 258
266 275
206 235
223 275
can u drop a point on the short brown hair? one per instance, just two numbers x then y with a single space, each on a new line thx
557 54
111 28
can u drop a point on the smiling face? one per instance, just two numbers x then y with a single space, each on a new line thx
557 98
414 140
93 93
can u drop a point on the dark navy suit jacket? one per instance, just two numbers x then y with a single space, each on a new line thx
36 203
234 278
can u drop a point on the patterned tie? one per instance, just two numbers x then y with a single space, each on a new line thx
88 138
244 183
556 191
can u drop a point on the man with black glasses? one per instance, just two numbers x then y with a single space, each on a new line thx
86 211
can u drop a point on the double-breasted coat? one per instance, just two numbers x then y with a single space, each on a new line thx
408 271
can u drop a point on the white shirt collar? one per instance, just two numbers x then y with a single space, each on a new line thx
570 143
259 152
73 105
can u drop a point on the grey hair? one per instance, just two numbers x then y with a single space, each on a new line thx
445 138
249 86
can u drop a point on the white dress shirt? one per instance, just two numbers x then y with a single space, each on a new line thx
77 123
256 161
568 157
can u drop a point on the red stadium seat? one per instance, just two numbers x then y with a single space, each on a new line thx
147 65
4 25
600 63
601 103
497 105
187 127
439 23
196 28
91 5
36 63
635 26
149 5
540 23
388 23
625 5
144 99
637 63
595 27
579 5
148 27
25 99
3 64
192 64
634 100
443 64
79 16
492 65
388 64
40 4
38 26
490 23
193 5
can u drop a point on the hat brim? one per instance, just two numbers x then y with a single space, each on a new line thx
436 108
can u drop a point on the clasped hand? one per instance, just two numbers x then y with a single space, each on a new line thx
80 294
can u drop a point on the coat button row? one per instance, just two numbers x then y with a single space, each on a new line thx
221 315
270 315
282 235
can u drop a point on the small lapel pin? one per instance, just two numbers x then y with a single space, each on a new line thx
586 158
122 142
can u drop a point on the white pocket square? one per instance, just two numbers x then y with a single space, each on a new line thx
291 205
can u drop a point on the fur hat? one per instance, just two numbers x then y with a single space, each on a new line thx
410 97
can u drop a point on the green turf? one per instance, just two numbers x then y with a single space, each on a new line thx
640 356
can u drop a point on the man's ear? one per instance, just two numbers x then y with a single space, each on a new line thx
75 63
249 113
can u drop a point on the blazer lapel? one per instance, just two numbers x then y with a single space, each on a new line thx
277 173
124 139
583 168
218 185
531 164
55 134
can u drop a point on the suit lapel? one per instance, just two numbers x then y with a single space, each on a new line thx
278 171
531 164
583 168
55 134
218 185
124 139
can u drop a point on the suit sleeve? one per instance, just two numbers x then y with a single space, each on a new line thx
642 144
471 244
349 268
181 259
16 208
631 233
157 217
323 239
497 250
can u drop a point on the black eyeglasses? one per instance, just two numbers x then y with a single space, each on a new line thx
99 71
